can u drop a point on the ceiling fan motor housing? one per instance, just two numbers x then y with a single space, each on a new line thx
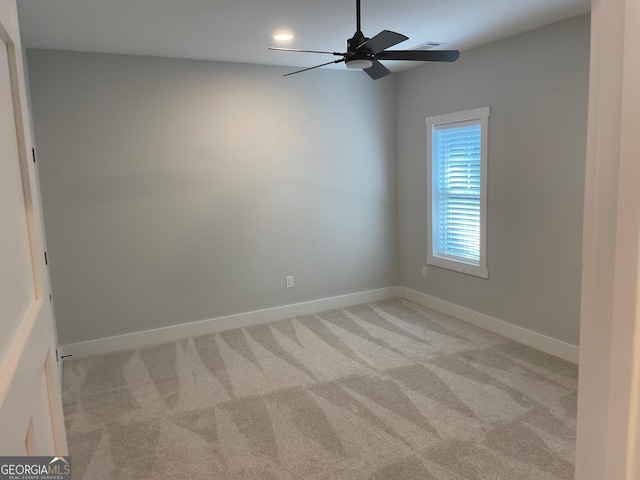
358 59
354 42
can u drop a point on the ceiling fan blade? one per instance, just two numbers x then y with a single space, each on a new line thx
420 55
384 39
306 51
317 66
377 70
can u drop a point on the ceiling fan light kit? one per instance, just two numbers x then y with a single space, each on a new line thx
365 53
360 64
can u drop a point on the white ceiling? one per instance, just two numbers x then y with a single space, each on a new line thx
241 31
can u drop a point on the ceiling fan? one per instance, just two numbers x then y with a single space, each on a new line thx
365 53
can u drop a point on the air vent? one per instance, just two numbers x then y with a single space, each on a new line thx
427 45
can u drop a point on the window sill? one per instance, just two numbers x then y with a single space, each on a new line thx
459 267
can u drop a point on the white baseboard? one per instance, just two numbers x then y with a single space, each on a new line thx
538 341
176 332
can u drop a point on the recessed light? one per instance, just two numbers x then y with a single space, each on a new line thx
283 36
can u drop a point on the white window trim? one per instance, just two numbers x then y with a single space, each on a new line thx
457 265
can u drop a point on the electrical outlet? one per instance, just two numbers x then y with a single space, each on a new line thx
424 272
289 281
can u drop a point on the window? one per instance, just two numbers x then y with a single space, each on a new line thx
457 180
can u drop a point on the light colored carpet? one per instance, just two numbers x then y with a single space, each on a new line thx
383 391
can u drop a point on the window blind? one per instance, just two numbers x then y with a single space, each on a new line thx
456 167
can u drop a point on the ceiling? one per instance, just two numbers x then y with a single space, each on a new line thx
241 31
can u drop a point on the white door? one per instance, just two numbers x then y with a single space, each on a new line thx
31 420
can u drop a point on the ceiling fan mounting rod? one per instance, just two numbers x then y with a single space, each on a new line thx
358 15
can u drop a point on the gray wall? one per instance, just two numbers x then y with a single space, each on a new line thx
536 85
177 190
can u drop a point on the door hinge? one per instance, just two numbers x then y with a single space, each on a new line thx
57 359
33 153
50 298
46 260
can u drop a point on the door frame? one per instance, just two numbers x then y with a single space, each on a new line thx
609 383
